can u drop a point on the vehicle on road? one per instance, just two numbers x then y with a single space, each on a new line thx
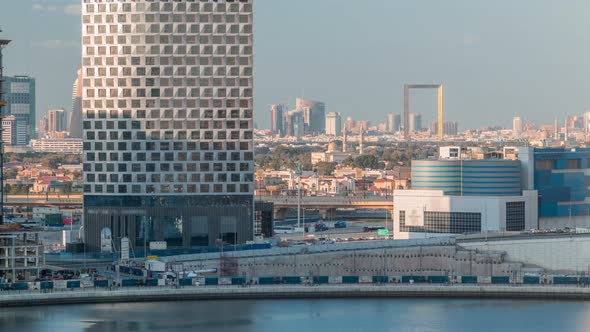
340 224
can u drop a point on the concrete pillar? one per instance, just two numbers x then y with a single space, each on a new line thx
280 213
328 213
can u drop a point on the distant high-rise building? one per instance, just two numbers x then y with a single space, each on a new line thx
449 128
344 141
168 122
75 123
362 141
9 130
19 93
295 124
393 122
517 125
586 122
333 124
314 115
276 119
349 124
415 122
56 121
43 126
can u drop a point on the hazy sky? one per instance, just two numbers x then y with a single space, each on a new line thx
496 59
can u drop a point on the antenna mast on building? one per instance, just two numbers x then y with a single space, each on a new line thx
3 103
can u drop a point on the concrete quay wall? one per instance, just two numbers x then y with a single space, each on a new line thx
414 260
290 292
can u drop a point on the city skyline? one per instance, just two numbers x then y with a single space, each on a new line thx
477 73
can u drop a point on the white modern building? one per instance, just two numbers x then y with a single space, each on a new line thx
431 213
9 130
168 121
66 145
333 124
453 195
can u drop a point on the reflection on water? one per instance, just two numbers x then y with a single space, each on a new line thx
306 315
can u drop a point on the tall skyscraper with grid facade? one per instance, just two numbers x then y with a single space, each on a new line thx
168 122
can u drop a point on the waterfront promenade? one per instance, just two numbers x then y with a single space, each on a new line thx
144 294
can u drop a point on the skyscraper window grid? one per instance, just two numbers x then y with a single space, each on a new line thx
167 99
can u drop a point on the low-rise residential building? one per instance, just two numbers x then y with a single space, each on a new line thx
65 145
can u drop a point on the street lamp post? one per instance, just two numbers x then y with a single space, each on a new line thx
298 172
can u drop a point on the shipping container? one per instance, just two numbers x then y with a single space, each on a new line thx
269 280
564 280
185 281
500 280
380 279
238 281
211 281
73 284
291 280
54 220
129 282
414 279
20 286
469 279
350 279
46 285
101 283
438 279
151 282
321 280
531 280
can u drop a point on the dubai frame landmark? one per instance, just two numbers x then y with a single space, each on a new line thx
407 88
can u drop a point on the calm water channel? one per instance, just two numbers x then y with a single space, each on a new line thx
306 315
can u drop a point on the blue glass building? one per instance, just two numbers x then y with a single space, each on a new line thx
19 92
487 177
562 178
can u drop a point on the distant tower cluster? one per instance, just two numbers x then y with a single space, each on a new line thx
308 118
54 124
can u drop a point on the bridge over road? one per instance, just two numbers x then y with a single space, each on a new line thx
73 200
327 205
